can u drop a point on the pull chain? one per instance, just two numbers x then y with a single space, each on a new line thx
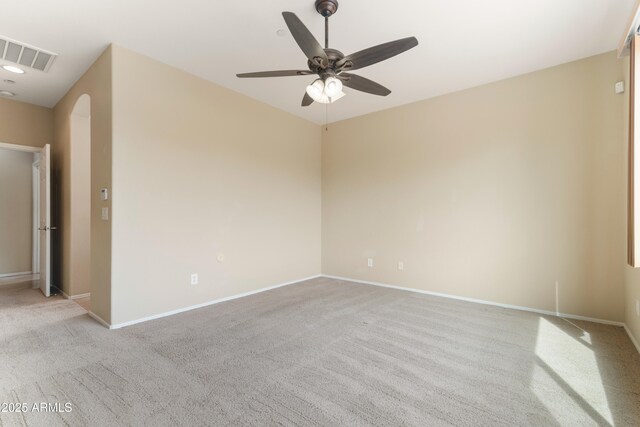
326 117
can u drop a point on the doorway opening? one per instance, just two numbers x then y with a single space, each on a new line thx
20 216
77 253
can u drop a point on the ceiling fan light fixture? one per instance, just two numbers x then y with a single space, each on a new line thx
324 99
316 90
336 97
332 87
327 91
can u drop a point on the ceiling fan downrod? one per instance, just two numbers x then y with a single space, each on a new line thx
326 8
326 32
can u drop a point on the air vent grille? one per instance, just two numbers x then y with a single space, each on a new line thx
23 54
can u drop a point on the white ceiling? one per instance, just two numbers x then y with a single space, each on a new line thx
463 43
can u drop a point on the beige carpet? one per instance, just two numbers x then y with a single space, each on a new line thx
322 352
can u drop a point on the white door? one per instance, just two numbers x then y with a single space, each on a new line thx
45 220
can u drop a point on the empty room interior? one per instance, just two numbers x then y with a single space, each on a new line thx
320 212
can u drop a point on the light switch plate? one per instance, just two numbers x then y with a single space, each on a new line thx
105 214
104 194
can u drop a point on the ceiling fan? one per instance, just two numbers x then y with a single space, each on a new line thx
331 65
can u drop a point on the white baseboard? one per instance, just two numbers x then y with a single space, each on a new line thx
15 284
87 295
64 294
479 301
21 273
496 304
632 338
25 279
193 307
99 319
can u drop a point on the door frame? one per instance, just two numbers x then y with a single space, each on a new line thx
35 264
17 147
35 246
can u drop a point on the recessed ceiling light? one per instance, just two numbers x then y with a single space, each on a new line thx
281 32
13 69
6 93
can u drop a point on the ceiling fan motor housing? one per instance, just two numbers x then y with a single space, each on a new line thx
333 55
326 8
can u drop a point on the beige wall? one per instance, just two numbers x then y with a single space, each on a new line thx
25 124
632 275
200 171
96 83
499 192
16 215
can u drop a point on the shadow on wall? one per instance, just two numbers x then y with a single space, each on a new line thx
79 250
71 202
56 221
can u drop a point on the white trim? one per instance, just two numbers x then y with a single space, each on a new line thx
45 270
632 338
35 211
21 273
14 284
479 301
17 147
204 304
72 297
420 291
99 319
85 295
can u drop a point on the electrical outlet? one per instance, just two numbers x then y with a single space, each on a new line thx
194 279
400 265
369 262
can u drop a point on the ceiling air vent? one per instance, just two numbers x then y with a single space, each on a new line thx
28 56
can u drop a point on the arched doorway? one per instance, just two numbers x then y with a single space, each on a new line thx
79 250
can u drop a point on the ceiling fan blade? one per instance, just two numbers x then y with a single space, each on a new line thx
375 54
281 73
306 100
362 84
305 39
